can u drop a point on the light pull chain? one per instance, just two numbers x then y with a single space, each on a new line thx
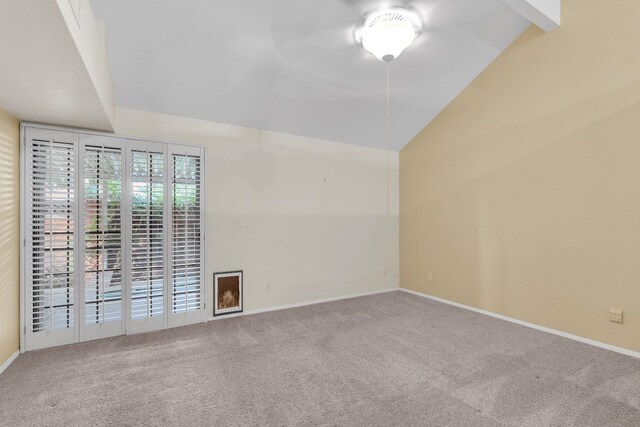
386 138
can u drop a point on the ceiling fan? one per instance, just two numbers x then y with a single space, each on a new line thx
387 30
336 28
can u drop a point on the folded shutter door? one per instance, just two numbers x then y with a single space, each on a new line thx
147 236
51 251
187 291
102 250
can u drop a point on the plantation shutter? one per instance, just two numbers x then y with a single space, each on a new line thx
186 219
50 229
103 231
112 230
147 233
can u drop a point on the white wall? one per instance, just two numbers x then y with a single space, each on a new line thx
313 214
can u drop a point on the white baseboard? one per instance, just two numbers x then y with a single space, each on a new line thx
302 304
529 325
9 361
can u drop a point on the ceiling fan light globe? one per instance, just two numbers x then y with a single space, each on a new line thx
387 33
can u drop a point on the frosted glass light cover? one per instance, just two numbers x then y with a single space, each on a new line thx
388 32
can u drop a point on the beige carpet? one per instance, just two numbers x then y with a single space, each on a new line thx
390 359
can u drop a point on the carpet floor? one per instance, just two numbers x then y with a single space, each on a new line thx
382 360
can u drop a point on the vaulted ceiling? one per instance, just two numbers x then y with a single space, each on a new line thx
294 66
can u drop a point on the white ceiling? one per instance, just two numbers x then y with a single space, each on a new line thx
293 66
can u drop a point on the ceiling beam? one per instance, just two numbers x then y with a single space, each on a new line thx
55 67
543 13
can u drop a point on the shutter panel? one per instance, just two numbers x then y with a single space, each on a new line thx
186 222
103 251
51 226
147 234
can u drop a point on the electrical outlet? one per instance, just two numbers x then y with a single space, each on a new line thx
237 223
384 273
615 315
267 287
430 277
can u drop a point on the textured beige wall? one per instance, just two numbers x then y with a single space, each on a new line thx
9 236
523 196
